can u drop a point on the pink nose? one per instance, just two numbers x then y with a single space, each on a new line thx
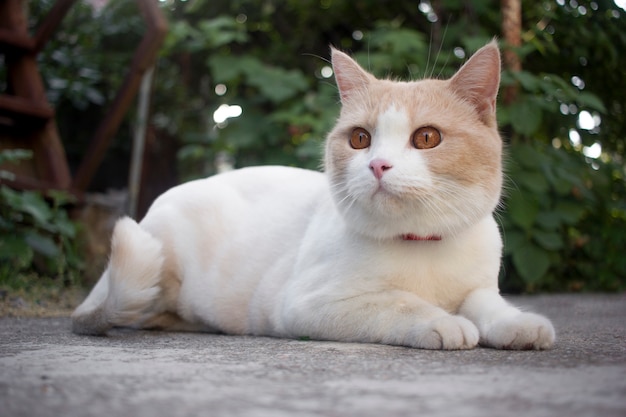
379 166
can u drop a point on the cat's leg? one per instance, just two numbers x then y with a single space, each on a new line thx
127 292
504 326
392 317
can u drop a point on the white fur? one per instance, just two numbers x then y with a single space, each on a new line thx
390 143
378 208
125 294
294 253
316 277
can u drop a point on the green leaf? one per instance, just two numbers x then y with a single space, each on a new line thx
525 117
549 220
60 198
6 224
7 175
244 131
503 116
311 148
192 151
220 31
14 155
12 247
42 244
11 198
94 96
403 39
277 84
513 240
274 83
590 100
528 156
34 204
523 209
534 181
569 212
529 81
225 68
548 240
64 226
561 186
531 262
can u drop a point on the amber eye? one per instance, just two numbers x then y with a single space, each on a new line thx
360 138
426 137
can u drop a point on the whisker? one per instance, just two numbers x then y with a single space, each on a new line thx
430 44
443 37
317 56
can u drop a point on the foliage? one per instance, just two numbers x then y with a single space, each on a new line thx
36 236
559 199
561 232
582 42
564 210
83 66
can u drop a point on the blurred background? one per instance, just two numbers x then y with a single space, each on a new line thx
248 82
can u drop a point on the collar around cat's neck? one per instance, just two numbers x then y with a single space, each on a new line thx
411 236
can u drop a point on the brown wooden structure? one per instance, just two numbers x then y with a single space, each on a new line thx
26 118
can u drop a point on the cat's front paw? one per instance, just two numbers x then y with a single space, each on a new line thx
526 331
449 332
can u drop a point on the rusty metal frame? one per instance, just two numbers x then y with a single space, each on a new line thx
51 23
28 119
144 57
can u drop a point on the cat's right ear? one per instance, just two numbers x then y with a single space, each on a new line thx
350 77
478 80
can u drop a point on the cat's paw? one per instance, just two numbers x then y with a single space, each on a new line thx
526 331
449 332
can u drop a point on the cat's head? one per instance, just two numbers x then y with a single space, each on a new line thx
419 159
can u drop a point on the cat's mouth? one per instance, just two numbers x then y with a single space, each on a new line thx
384 191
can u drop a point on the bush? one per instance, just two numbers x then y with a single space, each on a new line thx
563 213
563 222
36 234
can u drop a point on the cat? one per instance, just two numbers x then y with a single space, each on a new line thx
394 243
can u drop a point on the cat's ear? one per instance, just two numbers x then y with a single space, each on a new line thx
478 80
350 77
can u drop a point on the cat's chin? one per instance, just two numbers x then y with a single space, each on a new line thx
389 215
383 223
389 229
386 217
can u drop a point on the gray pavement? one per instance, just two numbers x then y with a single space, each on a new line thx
47 371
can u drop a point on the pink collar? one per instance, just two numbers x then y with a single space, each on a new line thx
411 236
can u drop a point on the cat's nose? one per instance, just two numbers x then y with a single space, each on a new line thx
379 166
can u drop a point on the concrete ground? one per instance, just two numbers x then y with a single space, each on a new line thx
47 371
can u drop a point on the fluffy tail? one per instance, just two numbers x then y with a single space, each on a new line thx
129 286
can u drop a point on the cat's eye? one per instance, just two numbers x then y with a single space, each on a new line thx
426 137
360 138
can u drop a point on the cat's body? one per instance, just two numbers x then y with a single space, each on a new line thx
395 243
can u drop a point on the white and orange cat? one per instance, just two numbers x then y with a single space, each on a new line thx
394 243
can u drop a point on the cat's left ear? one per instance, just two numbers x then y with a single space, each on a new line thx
478 80
350 77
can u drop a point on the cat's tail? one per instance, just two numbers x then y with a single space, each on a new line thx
128 288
